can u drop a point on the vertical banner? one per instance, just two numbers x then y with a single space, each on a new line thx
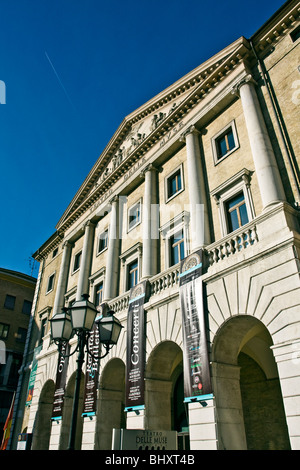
136 347
60 384
32 377
197 382
92 373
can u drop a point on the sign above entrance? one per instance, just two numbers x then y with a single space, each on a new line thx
137 439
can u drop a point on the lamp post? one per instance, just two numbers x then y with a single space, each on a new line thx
79 320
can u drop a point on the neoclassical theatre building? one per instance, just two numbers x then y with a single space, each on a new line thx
195 202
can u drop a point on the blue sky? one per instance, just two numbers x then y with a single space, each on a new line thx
73 69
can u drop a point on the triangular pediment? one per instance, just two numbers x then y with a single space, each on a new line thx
139 128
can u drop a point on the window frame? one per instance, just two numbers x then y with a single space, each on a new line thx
95 280
176 245
5 328
49 287
217 159
176 170
235 208
101 250
128 257
13 299
171 228
76 256
131 208
238 183
99 283
134 271
28 303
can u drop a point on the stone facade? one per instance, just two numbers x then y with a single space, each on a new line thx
246 99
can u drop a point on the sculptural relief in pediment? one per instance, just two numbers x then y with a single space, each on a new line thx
137 134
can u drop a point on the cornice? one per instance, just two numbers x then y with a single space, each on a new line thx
199 83
277 26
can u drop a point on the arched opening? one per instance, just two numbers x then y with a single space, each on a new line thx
42 424
67 414
111 403
247 388
164 389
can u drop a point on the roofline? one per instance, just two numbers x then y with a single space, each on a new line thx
18 274
272 18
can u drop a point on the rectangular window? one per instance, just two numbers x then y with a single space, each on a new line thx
225 142
174 184
103 241
236 212
27 307
4 329
10 302
43 329
50 283
134 215
132 274
99 294
177 248
21 335
295 34
77 261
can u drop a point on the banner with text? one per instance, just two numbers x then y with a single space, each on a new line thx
60 385
197 382
32 377
135 359
92 373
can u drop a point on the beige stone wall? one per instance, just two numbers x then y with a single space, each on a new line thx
46 299
73 275
228 167
99 259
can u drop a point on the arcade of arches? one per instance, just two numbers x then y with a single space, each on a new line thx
249 410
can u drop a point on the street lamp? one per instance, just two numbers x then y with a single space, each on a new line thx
79 320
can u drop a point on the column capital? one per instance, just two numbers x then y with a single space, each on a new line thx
115 198
190 130
243 81
149 167
67 243
86 224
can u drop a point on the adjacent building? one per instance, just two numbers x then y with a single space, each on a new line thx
16 296
208 168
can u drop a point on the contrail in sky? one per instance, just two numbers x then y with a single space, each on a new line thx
59 80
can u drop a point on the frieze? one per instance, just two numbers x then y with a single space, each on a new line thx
134 139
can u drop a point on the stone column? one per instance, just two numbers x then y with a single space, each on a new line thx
150 224
112 265
199 233
85 267
268 176
62 282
